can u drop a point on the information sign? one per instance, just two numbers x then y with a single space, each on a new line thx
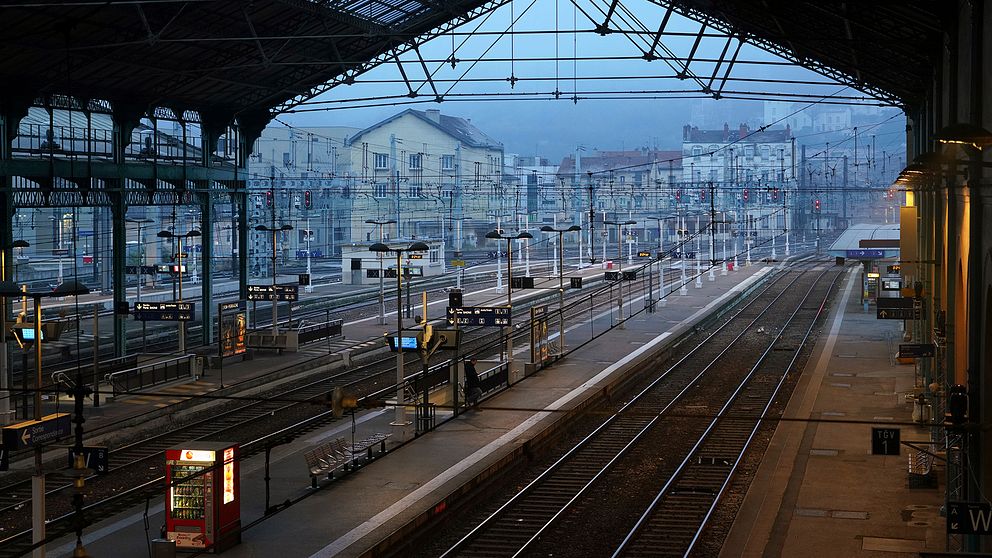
917 350
884 441
540 350
621 275
644 254
281 293
95 457
164 311
484 316
457 263
575 282
233 320
416 256
900 308
522 283
969 518
865 254
60 252
140 270
32 433
304 279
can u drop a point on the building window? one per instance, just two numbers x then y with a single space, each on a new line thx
379 190
381 161
447 162
697 150
416 161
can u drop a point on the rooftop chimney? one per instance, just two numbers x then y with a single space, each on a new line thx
434 115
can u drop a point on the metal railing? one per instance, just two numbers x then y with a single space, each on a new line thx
319 331
127 381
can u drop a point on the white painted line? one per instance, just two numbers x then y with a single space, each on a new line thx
381 518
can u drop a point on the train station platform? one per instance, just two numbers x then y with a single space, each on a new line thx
267 368
352 515
819 490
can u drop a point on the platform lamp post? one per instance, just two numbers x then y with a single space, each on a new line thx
7 289
400 423
382 298
275 251
620 225
497 235
561 280
68 288
141 277
179 255
661 258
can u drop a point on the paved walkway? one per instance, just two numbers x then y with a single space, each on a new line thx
819 491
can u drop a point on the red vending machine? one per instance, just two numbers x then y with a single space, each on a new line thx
203 496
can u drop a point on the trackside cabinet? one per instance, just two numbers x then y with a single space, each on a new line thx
203 496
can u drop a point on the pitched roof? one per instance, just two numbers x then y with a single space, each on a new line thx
459 129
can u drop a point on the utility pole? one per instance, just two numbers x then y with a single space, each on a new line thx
592 224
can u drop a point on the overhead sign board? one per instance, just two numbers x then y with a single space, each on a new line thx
898 308
484 316
644 254
884 441
969 518
281 293
917 350
139 270
865 254
522 282
33 433
164 311
621 275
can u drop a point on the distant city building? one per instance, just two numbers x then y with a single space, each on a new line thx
427 164
294 177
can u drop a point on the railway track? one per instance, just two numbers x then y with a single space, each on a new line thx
295 408
611 475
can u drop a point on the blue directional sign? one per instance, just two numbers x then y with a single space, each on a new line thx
32 433
865 254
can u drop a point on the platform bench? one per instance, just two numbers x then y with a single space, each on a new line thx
368 444
325 459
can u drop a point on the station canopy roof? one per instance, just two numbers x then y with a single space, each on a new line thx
865 236
219 56
261 57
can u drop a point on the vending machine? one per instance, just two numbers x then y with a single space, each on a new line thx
203 496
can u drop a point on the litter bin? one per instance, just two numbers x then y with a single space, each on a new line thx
730 266
163 548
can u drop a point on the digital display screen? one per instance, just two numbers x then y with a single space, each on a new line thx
27 334
408 342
